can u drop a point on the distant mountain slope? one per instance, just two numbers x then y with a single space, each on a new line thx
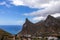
4 32
5 35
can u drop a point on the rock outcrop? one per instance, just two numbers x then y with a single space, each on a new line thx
50 26
27 27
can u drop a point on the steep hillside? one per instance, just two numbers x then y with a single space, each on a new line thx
5 35
47 27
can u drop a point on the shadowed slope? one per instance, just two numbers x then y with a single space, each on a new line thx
5 35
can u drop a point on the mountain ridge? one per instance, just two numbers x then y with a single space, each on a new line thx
50 25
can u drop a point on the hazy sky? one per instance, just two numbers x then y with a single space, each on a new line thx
14 12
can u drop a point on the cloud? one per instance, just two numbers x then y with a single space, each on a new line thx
2 3
54 7
16 2
51 7
36 19
33 3
56 15
5 4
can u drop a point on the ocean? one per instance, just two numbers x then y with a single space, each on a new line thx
13 29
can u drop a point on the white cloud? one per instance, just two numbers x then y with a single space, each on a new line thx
51 8
2 3
38 18
16 2
56 15
5 4
33 3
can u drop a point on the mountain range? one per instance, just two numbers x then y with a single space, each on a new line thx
48 27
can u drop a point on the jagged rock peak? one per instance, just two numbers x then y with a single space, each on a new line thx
27 21
49 16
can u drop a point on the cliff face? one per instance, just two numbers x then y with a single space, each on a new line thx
50 25
27 27
51 21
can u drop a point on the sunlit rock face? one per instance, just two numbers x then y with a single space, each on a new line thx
50 26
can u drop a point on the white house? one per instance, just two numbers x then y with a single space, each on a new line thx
52 38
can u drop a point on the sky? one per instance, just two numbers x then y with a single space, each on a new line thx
14 12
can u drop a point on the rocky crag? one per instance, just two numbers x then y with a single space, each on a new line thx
48 27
